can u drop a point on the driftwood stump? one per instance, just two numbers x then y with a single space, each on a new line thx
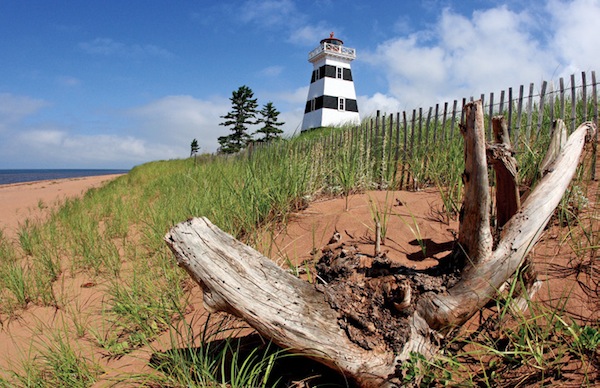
320 322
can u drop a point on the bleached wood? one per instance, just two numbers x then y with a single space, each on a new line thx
558 138
508 200
479 283
237 279
474 234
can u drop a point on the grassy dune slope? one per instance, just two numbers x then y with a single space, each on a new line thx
96 282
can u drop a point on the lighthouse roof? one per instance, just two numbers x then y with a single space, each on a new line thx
332 40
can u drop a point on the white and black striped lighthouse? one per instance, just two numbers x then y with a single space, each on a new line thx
331 97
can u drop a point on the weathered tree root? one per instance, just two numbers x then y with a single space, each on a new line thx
314 322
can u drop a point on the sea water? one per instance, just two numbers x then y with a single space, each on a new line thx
22 175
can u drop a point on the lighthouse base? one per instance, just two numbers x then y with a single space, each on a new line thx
329 118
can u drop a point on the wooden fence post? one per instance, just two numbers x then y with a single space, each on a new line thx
573 104
595 142
584 96
518 126
541 109
562 98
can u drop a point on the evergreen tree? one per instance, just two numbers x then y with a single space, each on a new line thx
194 148
270 128
243 113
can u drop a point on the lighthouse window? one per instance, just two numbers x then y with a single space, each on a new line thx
347 75
319 101
351 105
341 104
329 102
330 71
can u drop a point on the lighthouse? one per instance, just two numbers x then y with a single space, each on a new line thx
331 96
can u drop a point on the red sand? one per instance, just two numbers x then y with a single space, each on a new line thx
33 199
413 216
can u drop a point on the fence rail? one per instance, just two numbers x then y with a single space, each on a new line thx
529 116
400 149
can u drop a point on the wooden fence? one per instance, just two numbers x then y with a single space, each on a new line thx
401 150
529 115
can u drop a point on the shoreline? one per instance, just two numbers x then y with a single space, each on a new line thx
59 180
36 199
54 181
19 176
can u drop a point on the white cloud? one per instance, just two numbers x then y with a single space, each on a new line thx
51 146
13 109
268 13
290 104
271 71
576 28
369 106
43 138
109 47
68 81
55 145
176 120
284 14
102 46
488 51
311 35
295 97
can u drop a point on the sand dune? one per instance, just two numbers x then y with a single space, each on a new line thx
20 201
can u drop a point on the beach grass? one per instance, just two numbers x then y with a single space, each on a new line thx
113 237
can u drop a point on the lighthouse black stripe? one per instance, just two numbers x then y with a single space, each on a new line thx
331 72
330 102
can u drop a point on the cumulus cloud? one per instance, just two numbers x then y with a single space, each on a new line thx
43 138
65 80
176 120
291 105
369 106
287 16
28 138
58 147
311 34
487 51
294 98
52 146
268 13
110 47
271 71
13 109
575 38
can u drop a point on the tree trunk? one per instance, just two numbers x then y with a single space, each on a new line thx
305 319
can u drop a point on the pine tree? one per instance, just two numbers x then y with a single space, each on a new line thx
194 148
270 129
243 113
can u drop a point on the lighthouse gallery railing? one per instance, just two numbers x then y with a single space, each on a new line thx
332 48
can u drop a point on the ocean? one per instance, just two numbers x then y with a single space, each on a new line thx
19 176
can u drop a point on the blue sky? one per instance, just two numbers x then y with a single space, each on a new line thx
113 84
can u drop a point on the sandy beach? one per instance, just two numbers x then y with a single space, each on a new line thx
34 200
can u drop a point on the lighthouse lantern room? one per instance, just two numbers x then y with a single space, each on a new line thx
331 97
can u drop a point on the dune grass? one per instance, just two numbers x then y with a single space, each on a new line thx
113 237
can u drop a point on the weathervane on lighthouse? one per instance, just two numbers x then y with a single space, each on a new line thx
331 96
